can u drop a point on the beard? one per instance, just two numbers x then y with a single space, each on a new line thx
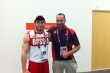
40 29
60 26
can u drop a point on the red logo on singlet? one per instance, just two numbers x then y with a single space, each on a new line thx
40 41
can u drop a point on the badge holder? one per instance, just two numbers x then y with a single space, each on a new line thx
63 48
43 53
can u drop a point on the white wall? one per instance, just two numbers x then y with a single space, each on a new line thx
12 29
15 13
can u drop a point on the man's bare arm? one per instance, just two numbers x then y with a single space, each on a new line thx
74 50
25 49
50 39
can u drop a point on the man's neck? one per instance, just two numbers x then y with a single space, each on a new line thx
39 31
61 28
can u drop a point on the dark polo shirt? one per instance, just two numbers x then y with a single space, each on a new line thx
72 40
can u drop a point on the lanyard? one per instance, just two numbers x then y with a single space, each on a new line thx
66 37
39 41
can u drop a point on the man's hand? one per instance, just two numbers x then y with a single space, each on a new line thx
26 71
65 54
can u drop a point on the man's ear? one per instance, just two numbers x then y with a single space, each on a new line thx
65 20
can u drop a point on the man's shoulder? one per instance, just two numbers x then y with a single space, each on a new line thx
72 31
29 31
51 29
26 38
27 35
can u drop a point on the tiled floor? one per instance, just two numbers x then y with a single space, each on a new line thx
99 71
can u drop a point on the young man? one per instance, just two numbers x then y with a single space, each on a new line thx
63 38
35 45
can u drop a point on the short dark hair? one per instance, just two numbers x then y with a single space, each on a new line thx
62 14
39 18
